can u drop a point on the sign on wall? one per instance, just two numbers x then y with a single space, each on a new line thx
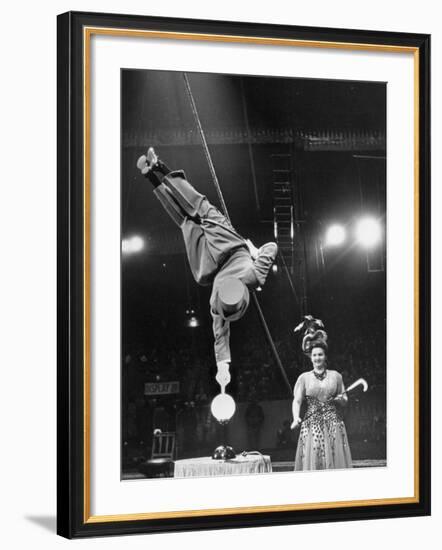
161 388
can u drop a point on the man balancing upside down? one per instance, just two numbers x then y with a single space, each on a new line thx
217 254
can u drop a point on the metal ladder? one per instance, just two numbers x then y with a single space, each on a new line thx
283 211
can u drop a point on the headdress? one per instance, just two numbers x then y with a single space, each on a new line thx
314 333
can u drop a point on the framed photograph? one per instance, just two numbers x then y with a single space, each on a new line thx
243 274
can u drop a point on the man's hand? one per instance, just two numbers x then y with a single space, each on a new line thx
223 374
252 249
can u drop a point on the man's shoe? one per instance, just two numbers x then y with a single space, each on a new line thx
270 248
152 157
146 162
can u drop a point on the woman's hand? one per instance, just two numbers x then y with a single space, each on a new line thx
295 423
341 399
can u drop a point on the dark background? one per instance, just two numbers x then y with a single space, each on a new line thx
333 133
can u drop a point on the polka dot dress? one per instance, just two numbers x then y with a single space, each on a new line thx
323 442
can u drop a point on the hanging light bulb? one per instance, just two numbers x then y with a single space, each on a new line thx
191 320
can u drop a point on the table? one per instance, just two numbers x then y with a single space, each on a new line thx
205 466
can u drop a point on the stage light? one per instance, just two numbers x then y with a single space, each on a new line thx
125 246
132 245
223 407
368 232
137 243
275 268
335 235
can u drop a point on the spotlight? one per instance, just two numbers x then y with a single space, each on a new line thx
125 246
368 232
335 235
275 268
137 243
132 245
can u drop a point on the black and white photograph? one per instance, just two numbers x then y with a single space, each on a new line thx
253 274
243 274
217 284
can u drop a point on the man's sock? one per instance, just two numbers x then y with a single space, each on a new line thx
157 173
162 167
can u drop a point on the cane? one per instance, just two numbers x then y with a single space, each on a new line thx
359 382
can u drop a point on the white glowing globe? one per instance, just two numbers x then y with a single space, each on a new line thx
223 407
335 235
368 232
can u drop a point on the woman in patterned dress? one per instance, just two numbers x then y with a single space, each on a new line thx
322 442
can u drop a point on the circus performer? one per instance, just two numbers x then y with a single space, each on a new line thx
218 255
322 442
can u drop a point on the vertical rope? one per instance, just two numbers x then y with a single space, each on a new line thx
226 214
271 343
206 148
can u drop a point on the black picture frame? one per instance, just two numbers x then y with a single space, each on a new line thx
74 520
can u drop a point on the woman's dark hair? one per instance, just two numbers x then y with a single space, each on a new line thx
314 334
318 344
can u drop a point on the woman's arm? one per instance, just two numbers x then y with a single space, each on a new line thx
298 396
341 398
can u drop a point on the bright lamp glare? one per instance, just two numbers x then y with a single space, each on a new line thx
335 235
368 232
223 407
132 245
137 243
125 246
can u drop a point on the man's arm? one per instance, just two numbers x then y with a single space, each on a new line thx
221 333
